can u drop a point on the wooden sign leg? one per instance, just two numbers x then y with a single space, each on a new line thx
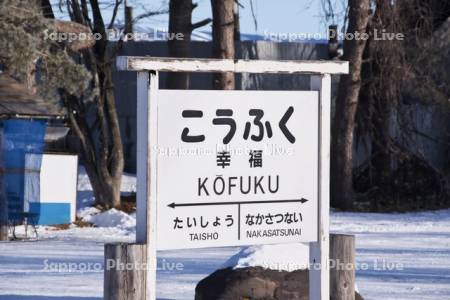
147 134
319 277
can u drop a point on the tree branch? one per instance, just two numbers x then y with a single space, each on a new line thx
85 10
252 9
114 15
239 3
150 14
201 23
47 10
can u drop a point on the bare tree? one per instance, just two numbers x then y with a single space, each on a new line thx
392 71
346 106
95 122
180 31
223 40
396 72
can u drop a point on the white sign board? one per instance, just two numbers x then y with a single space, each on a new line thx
236 168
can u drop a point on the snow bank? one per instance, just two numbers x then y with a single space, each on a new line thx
86 212
282 257
85 196
112 218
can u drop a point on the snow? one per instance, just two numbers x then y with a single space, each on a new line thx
399 256
112 218
283 257
85 213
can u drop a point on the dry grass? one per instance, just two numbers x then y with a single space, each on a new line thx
80 223
128 204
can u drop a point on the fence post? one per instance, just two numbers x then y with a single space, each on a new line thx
128 20
333 43
125 272
342 267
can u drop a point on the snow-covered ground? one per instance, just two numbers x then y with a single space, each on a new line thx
399 256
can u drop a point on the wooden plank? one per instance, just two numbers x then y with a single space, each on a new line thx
165 64
147 88
342 268
122 283
142 147
152 157
319 278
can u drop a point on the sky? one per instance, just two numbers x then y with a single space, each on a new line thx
273 16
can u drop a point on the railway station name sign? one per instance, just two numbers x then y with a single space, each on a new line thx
236 167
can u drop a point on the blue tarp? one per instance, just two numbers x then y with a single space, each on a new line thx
21 176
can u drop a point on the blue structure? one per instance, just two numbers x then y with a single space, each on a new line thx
57 201
21 181
51 213
23 125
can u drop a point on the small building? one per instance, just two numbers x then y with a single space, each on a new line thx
27 122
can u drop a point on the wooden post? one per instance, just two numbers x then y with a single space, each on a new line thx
333 43
319 275
139 282
125 272
128 20
147 88
342 267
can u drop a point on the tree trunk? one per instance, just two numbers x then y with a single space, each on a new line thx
101 146
106 188
381 140
128 20
115 162
237 23
346 106
109 164
47 9
384 92
180 16
223 40
180 23
96 122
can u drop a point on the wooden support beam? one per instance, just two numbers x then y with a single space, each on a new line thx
342 271
147 120
164 64
125 273
319 276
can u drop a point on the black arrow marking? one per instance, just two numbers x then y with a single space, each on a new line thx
173 204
